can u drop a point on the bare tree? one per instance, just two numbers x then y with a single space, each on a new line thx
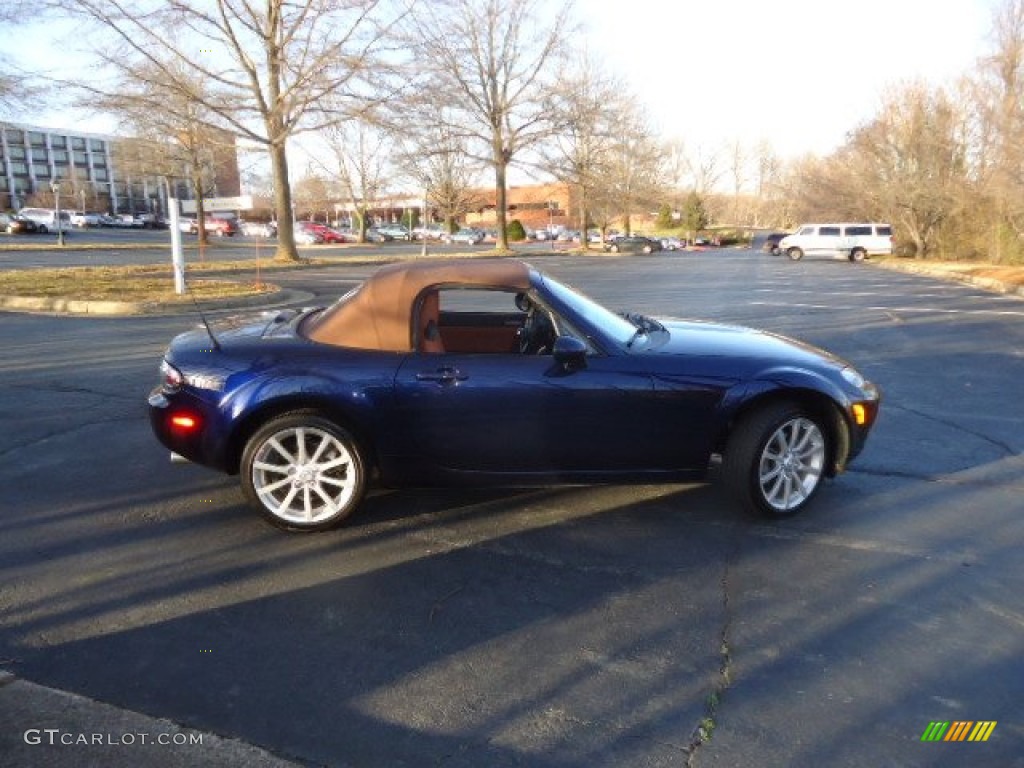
492 61
997 91
436 159
268 68
769 208
359 154
175 133
13 91
312 195
738 160
583 107
704 168
634 175
908 165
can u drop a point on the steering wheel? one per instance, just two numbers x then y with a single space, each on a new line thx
537 335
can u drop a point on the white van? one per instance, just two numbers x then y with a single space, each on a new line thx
46 219
850 240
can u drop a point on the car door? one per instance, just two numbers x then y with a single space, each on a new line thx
493 410
827 243
511 413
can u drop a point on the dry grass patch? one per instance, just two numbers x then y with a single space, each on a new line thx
139 283
1006 274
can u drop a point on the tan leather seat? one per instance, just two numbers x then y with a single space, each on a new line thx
429 324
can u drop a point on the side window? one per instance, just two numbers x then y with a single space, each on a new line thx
858 230
885 231
829 231
806 231
470 320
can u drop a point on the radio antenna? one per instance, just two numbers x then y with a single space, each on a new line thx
199 309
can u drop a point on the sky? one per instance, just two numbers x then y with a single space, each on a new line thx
799 74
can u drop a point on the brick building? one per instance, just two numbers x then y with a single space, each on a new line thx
95 171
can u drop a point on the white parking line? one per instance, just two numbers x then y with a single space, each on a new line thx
923 310
866 293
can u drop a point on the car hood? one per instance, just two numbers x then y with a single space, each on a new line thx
748 350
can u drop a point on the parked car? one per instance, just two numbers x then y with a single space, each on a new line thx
487 371
672 244
396 231
83 219
221 226
257 228
46 219
13 224
374 235
127 221
854 241
466 235
633 244
771 243
430 232
307 237
325 233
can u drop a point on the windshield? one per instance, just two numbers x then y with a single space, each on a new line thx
612 325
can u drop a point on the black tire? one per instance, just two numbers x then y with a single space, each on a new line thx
775 459
325 487
858 254
648 249
41 229
776 251
795 254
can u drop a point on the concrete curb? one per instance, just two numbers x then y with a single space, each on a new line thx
985 283
46 305
49 727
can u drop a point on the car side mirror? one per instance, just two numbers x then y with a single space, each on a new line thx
570 353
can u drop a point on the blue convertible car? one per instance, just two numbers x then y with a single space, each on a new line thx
488 372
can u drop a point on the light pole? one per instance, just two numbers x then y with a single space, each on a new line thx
551 223
55 186
423 218
81 194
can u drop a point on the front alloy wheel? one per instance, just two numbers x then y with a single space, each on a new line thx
776 460
303 472
795 254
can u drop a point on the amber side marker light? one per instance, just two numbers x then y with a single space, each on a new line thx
860 414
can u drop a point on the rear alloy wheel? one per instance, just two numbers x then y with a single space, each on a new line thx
795 254
857 254
776 459
303 472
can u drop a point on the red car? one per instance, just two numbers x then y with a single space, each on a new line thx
221 226
326 234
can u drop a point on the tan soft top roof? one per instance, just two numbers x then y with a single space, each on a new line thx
379 315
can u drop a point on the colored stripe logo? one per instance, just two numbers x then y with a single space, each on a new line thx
958 730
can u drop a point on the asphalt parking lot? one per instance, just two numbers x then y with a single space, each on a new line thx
598 626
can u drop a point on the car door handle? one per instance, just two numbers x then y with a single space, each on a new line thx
442 375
